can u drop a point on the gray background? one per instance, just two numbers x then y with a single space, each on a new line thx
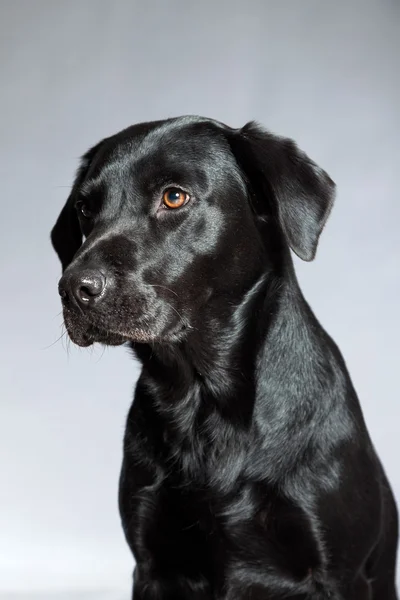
73 72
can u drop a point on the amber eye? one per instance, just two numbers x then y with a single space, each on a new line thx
175 198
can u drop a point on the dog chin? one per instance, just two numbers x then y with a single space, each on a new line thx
84 334
88 338
85 337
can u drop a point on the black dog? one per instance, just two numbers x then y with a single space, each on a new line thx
248 470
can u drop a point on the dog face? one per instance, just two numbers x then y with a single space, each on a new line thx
175 217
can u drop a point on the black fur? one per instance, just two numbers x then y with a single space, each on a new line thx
248 471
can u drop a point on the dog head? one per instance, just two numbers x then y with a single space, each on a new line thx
165 217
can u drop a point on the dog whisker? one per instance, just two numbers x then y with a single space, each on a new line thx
164 287
55 342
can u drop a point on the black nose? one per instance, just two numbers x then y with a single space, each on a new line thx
85 287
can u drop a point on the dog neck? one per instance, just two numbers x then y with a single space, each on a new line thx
262 370
222 359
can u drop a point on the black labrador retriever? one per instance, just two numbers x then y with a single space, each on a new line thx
248 471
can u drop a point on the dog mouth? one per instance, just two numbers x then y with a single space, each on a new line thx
93 335
84 333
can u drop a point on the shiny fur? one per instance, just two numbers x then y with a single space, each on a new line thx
248 471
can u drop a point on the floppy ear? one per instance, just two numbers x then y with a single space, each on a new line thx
302 193
66 235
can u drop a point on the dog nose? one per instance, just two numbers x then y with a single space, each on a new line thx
86 287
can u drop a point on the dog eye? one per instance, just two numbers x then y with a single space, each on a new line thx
175 198
83 209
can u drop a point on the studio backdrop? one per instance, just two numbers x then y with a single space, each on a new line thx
71 73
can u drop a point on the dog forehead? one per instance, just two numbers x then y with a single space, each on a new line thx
164 148
179 140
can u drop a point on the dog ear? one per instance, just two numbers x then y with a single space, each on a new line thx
302 193
66 235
